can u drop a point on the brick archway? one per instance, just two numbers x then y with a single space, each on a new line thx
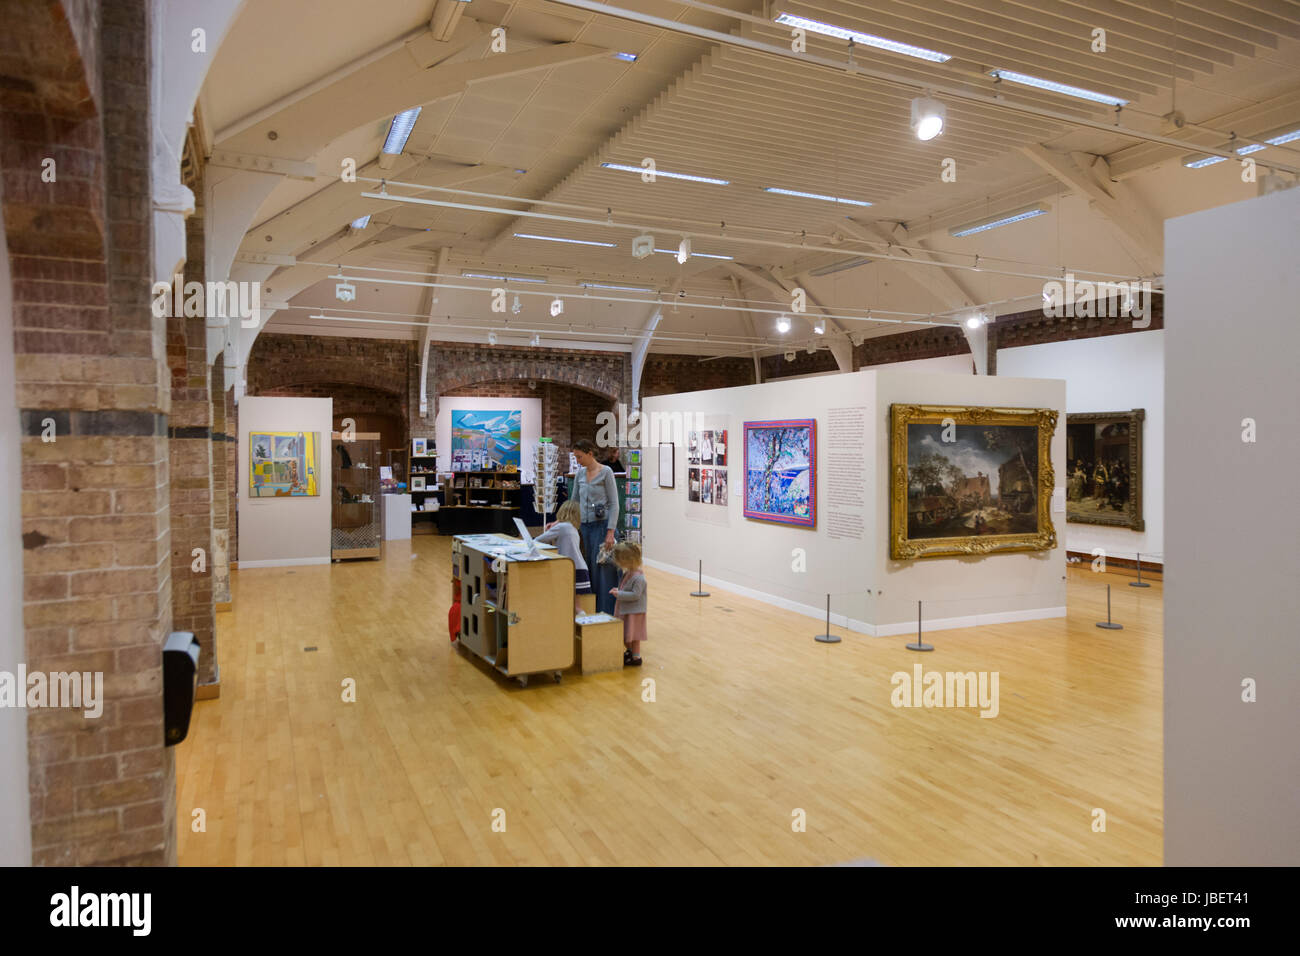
607 374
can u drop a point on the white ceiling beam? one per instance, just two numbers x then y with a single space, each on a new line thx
747 319
1141 233
340 203
641 349
426 333
395 83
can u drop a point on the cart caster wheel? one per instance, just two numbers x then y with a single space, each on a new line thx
558 676
523 680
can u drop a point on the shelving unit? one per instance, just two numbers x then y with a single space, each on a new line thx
519 619
356 523
478 501
426 467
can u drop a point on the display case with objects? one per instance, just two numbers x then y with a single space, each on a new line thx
356 525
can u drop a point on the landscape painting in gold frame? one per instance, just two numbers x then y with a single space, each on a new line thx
970 480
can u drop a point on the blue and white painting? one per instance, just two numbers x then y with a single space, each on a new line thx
781 471
485 439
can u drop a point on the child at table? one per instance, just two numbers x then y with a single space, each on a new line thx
631 603
563 533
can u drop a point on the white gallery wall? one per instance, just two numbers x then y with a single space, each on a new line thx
1232 767
1110 373
274 532
797 567
530 426
15 816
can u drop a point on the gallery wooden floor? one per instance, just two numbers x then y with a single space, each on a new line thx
751 721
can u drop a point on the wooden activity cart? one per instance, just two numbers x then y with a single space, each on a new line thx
519 618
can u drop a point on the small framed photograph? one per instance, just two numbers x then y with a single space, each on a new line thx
417 483
419 447
667 464
634 489
634 473
634 456
634 521
633 505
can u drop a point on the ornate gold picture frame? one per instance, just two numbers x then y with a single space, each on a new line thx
1103 468
970 480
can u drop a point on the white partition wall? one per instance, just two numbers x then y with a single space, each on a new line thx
284 531
847 554
1232 526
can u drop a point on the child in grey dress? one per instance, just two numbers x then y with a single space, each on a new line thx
631 604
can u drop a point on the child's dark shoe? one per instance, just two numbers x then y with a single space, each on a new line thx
634 662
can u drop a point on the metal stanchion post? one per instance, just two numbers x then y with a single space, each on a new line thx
700 592
920 645
1108 624
828 637
1139 583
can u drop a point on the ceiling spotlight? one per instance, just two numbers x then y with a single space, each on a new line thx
557 306
516 307
973 322
684 249
782 324
643 245
345 292
928 115
820 327
492 338
789 356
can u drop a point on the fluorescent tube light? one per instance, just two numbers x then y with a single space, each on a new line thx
802 195
983 225
616 288
842 266
866 39
625 57
666 175
1054 87
502 278
400 131
576 242
696 255
362 222
1200 160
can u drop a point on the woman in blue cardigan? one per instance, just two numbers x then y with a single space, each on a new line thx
597 495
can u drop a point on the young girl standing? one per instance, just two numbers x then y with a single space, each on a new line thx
631 604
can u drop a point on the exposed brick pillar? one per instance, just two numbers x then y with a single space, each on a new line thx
221 488
92 399
190 441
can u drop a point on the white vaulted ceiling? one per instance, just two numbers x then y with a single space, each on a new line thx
316 76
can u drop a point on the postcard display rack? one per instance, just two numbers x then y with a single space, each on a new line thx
548 469
516 605
356 526
629 518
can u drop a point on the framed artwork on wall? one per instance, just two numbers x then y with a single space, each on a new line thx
419 447
486 438
417 483
969 480
1103 468
283 464
667 464
692 484
781 471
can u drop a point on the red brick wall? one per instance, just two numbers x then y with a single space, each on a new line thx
669 374
95 499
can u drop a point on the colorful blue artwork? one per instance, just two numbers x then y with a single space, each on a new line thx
485 439
781 471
